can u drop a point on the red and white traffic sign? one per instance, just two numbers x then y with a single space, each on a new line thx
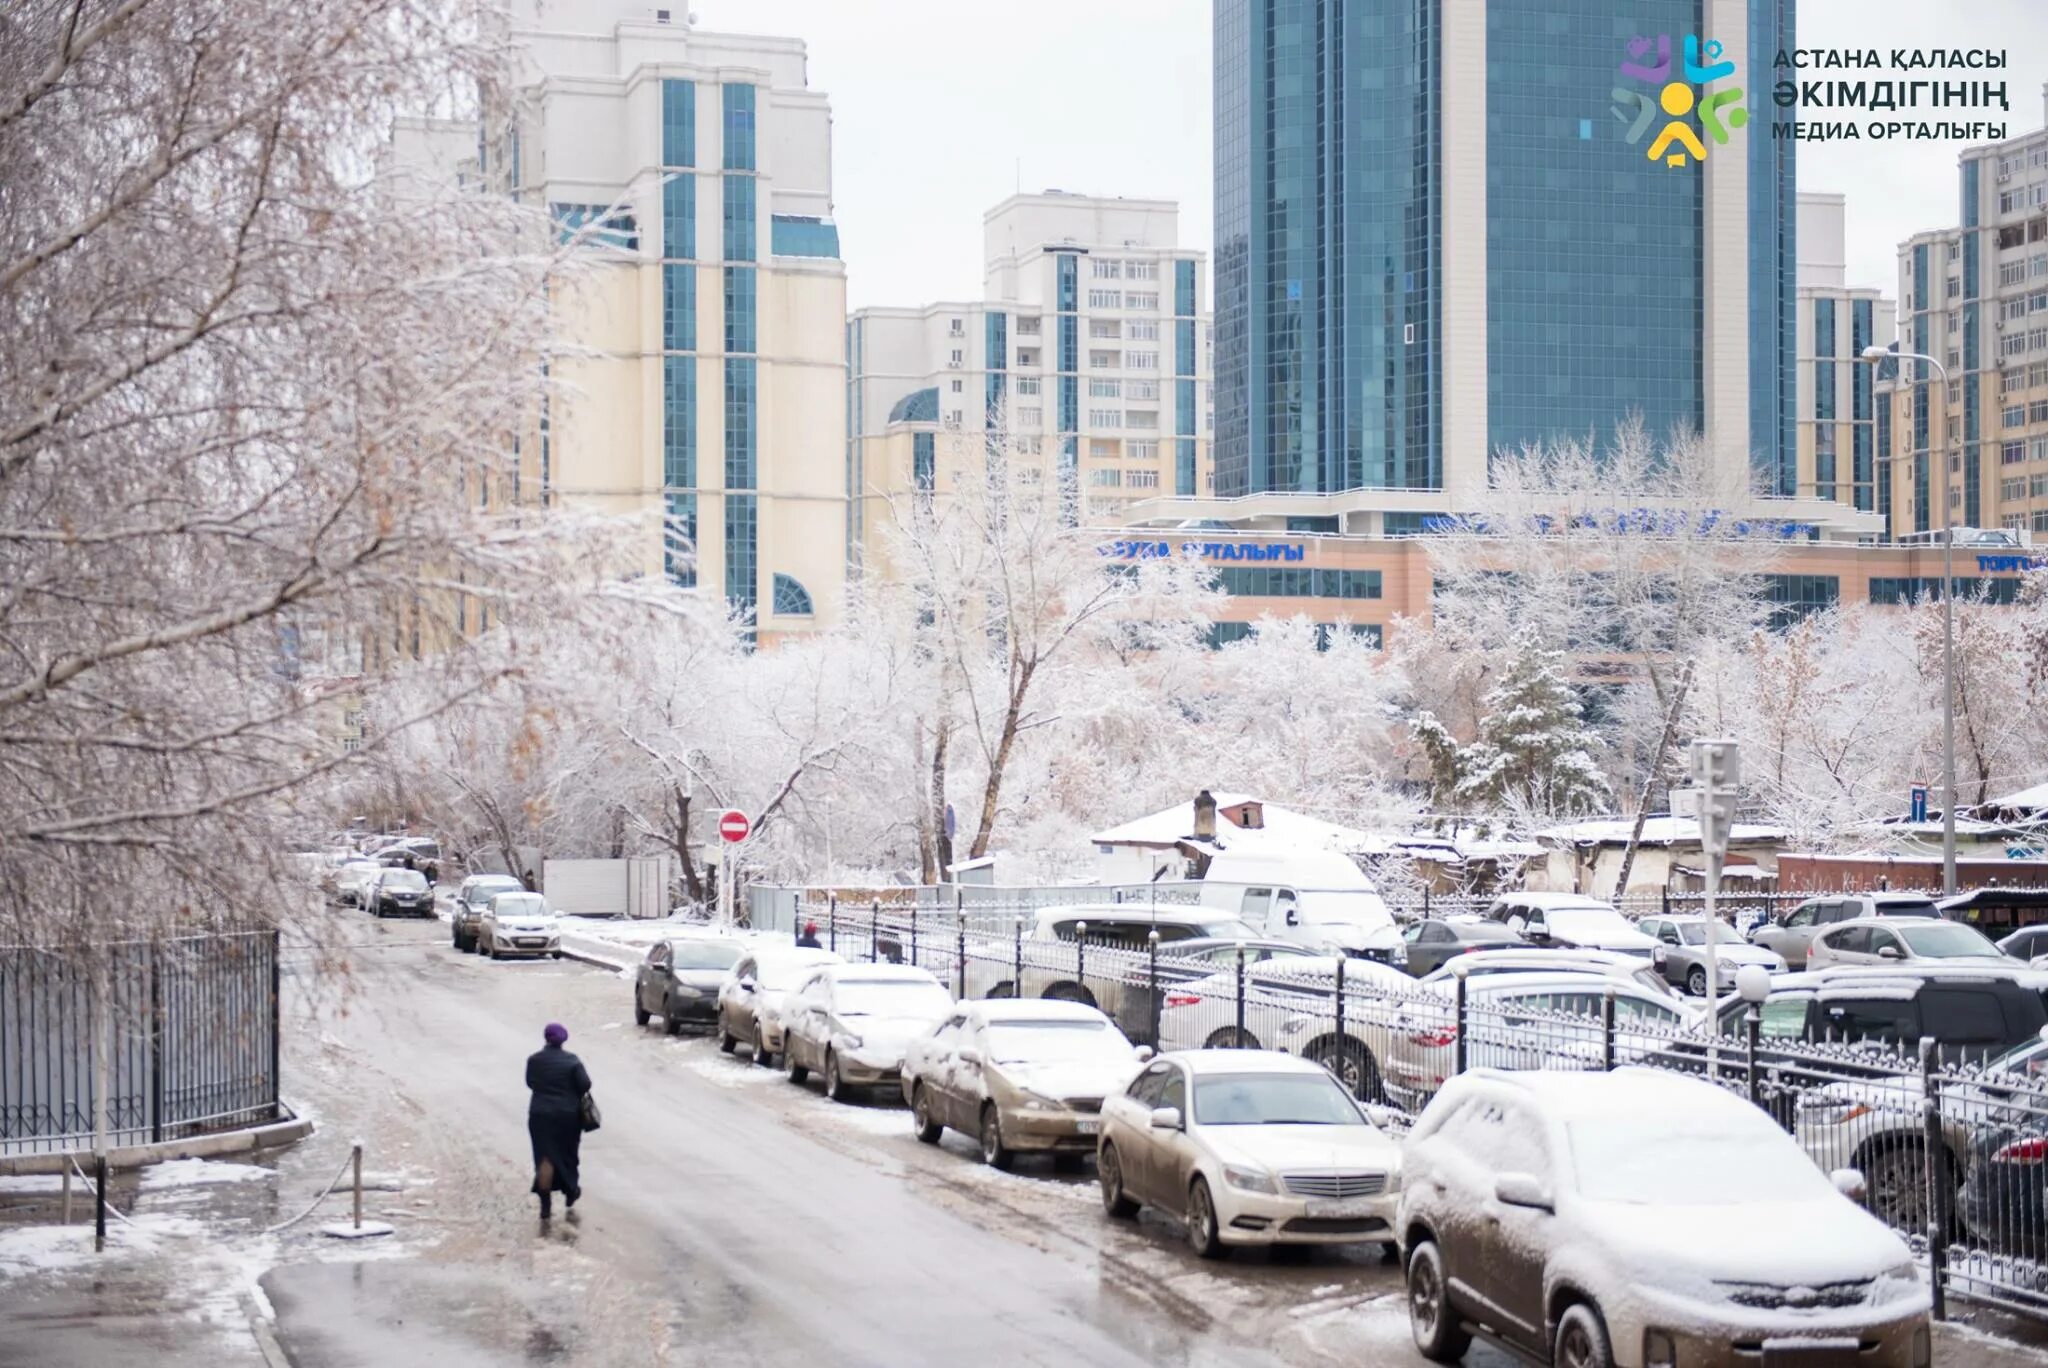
733 826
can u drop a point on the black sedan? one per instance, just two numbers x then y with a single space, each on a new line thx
399 893
1435 940
2004 1199
679 981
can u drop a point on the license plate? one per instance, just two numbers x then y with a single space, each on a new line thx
1090 1126
529 943
1340 1208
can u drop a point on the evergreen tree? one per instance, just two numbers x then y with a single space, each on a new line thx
1534 749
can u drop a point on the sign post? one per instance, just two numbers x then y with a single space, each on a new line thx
1917 802
1716 771
733 828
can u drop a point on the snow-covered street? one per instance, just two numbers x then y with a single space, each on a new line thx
730 1217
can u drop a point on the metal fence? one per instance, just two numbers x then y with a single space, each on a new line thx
192 1033
1954 1156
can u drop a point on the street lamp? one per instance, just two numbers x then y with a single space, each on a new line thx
1875 353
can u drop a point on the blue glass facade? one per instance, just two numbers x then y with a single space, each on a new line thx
739 240
1921 299
1067 365
1328 208
1773 259
790 598
740 325
738 103
678 123
793 235
924 461
678 306
1824 412
996 349
679 331
679 467
742 527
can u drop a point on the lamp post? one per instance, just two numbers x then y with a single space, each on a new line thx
1875 353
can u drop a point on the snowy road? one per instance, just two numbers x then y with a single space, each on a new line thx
732 1217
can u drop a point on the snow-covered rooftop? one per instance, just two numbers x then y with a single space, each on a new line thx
2035 798
1282 827
1656 831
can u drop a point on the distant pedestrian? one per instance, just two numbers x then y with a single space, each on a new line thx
809 939
554 1118
528 881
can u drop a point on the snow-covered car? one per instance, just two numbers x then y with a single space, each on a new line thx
1248 1147
471 898
1681 953
1291 1005
753 994
852 1023
1792 934
350 878
518 925
679 979
1893 940
1641 1218
1570 921
1524 1022
1479 964
397 893
1022 1077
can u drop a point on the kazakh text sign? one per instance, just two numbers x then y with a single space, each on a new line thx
1215 551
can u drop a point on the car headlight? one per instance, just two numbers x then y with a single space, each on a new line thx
1394 1179
1033 1102
850 1041
1249 1179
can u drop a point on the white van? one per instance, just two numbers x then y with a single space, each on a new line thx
1318 898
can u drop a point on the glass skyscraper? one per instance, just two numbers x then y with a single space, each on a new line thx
1435 239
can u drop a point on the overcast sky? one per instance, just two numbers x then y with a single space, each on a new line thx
943 107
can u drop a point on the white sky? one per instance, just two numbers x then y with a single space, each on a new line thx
943 107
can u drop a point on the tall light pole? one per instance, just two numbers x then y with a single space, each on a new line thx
1875 353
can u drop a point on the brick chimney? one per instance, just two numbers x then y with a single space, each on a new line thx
1205 816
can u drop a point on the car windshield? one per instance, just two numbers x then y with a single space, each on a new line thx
1057 1042
706 954
1579 922
1919 908
1232 929
1324 907
482 893
1640 1162
2029 1058
520 905
781 974
1274 1100
1947 941
890 997
405 880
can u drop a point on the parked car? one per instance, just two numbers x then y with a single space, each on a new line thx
852 1023
411 852
1479 964
1020 1077
1248 1147
679 980
349 880
397 893
1973 1012
2004 1198
1910 940
1291 1005
752 996
1319 898
1109 970
471 897
1791 934
2002 914
1569 921
2027 944
1641 1218
1681 953
1437 939
1526 1021
518 925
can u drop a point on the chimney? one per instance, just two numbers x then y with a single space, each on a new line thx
1205 816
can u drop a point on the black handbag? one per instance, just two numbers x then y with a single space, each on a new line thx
591 1118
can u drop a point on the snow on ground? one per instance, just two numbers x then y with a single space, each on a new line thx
33 1182
195 1172
47 1248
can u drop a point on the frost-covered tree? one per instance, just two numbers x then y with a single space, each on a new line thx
1534 751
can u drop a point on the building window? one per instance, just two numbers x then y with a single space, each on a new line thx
740 331
2037 448
1141 479
958 386
1105 327
1142 300
1103 360
2041 520
1184 289
796 235
1105 478
2015 415
924 461
1027 384
1105 299
1141 450
2037 412
595 225
791 599
1141 360
1146 420
739 217
1143 330
1105 268
1028 327
1099 388
1141 270
1105 418
2037 486
1142 389
678 123
739 127
1031 417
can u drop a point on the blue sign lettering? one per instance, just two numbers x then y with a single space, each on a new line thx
2011 564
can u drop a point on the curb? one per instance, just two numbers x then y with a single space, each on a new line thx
583 956
274 1135
265 1336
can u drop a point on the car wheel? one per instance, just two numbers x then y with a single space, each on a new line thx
762 1056
726 1043
1897 1179
926 1129
1005 989
1352 1065
1202 1236
797 1072
1438 1335
671 1024
1696 981
1070 992
835 1086
994 1152
1109 1171
641 1015
1230 1038
1581 1339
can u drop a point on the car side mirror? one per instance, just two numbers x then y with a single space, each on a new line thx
1518 925
1382 1117
1850 1183
1166 1118
970 1055
1522 1190
1888 952
746 985
1145 1052
1537 935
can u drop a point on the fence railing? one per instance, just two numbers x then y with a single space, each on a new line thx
1954 1154
192 1039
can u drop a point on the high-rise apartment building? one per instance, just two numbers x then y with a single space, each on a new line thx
1837 399
702 370
1434 239
1087 352
1975 297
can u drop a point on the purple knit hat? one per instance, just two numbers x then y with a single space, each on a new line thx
555 1033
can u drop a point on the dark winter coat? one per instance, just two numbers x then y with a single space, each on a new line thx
558 1080
554 1118
808 941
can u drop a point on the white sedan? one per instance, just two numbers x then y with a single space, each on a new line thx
853 1022
1248 1147
518 925
1020 1076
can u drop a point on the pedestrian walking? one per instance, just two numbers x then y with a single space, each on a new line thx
809 939
555 1117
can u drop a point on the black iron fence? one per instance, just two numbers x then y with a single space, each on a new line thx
191 1032
1953 1156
